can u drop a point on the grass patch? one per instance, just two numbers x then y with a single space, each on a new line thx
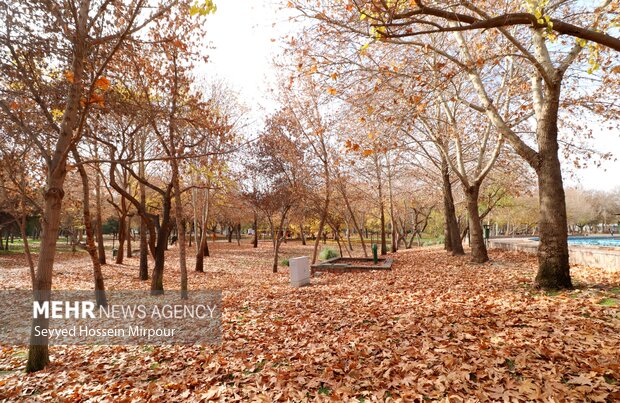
608 302
324 390
328 253
62 246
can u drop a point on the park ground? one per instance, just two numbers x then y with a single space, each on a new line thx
435 328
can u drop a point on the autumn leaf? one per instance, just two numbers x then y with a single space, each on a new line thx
332 91
452 332
580 380
529 389
102 83
95 99
69 76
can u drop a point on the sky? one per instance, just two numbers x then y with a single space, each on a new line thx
245 36
606 177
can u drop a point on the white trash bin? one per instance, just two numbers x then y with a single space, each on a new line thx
299 269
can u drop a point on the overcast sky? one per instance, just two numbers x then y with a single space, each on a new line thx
247 34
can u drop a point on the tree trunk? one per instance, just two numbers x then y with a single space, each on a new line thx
381 205
325 210
100 295
144 253
478 248
320 231
302 235
201 252
197 227
349 237
355 225
180 221
278 240
394 245
553 266
150 220
99 220
128 236
73 241
336 232
383 240
452 242
38 353
157 279
276 251
122 228
203 248
255 228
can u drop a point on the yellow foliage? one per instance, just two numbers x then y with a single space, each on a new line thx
57 114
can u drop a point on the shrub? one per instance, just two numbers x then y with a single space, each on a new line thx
284 262
328 253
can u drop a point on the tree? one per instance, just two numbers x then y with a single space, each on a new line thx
19 191
580 208
405 24
279 166
305 103
540 15
80 38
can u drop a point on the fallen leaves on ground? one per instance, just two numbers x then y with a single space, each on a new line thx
436 328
